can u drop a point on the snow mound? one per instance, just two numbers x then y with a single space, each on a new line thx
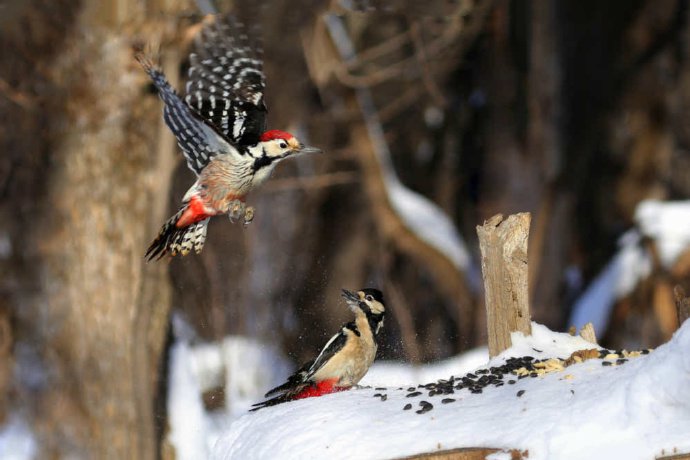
666 224
636 410
663 222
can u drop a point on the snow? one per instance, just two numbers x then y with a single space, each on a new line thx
187 418
244 367
17 441
390 373
666 224
637 410
631 264
428 222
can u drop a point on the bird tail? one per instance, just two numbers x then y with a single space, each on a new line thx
178 240
283 393
271 402
291 391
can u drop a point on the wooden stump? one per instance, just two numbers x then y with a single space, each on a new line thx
503 244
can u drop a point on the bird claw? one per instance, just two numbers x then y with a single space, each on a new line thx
236 209
248 215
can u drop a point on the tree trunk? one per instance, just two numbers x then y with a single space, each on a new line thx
93 312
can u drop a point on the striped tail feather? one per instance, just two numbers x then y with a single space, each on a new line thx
174 240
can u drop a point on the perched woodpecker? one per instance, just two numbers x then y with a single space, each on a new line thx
345 358
220 127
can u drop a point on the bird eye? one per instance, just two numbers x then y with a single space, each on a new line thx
282 145
369 298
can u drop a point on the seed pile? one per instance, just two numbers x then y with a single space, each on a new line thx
509 373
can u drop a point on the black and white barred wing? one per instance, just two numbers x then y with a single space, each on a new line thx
199 141
226 80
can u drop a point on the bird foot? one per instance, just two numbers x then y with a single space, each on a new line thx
248 215
236 209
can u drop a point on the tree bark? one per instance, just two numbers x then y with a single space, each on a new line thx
94 311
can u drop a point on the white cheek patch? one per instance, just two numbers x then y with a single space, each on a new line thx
377 308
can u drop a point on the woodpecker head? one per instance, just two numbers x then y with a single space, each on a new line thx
276 145
370 302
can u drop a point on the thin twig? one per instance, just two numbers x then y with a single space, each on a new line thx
314 182
406 99
18 97
420 53
376 51
456 35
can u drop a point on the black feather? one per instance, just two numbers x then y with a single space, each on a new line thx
226 80
198 140
302 379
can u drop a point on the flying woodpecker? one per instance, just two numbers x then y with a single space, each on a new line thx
345 358
220 127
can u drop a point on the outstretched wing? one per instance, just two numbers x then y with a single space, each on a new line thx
226 80
198 140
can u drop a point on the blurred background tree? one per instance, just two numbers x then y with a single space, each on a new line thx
572 110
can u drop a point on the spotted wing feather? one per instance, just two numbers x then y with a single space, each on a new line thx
198 140
226 80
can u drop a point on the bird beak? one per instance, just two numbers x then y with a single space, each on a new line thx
350 296
309 149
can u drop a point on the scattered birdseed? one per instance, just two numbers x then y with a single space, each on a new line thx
513 370
425 407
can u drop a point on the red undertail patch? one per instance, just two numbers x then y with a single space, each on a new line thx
195 212
321 388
